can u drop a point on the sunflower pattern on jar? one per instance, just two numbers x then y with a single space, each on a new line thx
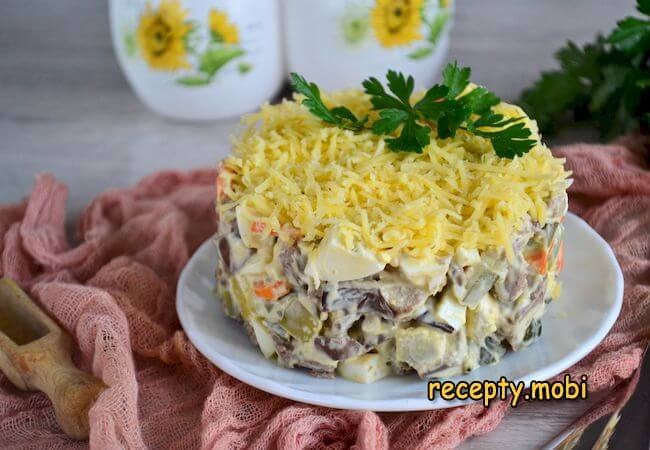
392 24
397 22
161 36
167 40
221 28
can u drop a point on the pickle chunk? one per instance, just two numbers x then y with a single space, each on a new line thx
301 323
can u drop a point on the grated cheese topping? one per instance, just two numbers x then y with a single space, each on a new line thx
289 169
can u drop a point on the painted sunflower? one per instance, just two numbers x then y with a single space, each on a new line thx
160 36
222 29
397 22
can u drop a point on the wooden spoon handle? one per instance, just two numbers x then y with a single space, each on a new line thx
71 391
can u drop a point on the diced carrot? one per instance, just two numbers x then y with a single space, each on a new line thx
257 226
270 290
222 181
539 260
560 258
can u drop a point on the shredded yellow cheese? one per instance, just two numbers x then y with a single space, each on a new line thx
290 169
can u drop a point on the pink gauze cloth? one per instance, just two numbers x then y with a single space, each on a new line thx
114 293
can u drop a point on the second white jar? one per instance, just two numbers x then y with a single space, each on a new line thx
338 44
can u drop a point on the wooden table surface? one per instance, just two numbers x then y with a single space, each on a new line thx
65 108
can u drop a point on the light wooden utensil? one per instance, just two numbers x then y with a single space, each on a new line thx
35 354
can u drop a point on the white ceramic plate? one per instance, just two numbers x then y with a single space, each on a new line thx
573 325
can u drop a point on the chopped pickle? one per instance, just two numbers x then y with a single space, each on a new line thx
482 283
239 296
300 322
533 331
491 351
230 306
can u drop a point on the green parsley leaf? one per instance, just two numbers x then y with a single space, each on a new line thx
510 136
379 98
480 100
339 116
444 106
643 6
347 118
390 119
632 35
456 79
312 100
434 94
455 114
442 109
394 110
603 81
433 104
401 86
413 138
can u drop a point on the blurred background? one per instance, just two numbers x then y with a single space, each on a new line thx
66 108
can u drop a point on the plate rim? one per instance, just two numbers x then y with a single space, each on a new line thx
395 405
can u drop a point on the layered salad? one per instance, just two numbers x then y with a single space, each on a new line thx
342 256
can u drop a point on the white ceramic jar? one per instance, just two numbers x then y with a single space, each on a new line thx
199 59
339 43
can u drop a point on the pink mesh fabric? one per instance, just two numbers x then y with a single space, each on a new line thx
114 292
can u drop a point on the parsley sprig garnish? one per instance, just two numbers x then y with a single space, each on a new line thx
607 81
340 116
445 108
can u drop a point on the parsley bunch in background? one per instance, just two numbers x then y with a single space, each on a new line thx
607 81
445 108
